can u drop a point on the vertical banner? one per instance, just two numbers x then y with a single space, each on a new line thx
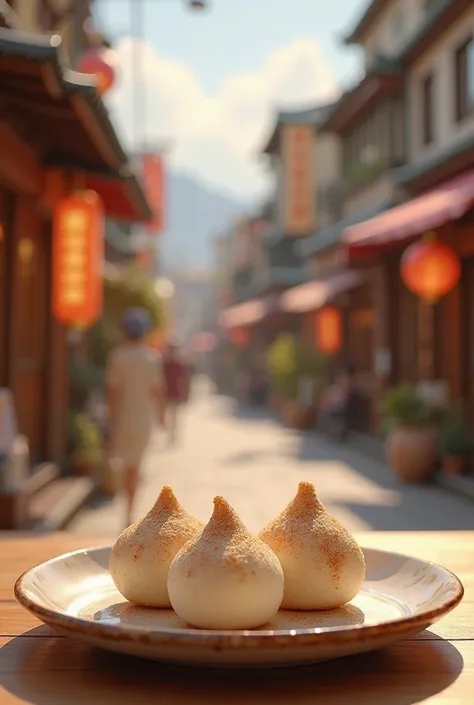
78 255
299 192
154 182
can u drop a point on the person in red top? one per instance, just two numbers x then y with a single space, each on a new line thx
176 387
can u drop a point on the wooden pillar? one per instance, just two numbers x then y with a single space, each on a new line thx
58 392
425 340
454 343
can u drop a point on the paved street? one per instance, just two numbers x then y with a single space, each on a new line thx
256 464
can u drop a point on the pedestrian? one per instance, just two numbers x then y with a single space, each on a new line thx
135 400
175 375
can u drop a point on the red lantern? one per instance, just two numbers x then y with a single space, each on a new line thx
430 269
78 255
100 63
329 330
240 337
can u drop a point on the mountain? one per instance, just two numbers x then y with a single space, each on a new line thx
195 214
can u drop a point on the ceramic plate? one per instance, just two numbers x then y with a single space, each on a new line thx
401 596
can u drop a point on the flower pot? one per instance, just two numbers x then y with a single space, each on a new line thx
83 469
453 464
274 403
289 412
298 417
411 453
307 418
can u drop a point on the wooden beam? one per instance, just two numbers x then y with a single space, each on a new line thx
93 130
19 167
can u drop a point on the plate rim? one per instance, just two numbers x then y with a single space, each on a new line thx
234 638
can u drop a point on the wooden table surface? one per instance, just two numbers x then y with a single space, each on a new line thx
37 666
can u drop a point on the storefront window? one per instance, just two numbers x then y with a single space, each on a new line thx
464 79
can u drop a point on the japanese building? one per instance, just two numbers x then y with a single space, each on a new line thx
55 136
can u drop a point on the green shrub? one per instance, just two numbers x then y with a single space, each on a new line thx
84 379
454 437
124 289
289 360
402 406
87 441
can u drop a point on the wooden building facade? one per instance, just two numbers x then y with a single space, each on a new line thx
55 136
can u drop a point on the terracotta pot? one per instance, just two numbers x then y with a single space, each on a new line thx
453 464
289 413
298 417
274 403
83 469
411 453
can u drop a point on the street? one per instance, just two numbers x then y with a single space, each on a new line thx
256 464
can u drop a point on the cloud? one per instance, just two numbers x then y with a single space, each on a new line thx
216 137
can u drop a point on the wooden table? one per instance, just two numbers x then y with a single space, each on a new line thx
37 666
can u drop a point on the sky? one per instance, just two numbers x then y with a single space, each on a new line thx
210 82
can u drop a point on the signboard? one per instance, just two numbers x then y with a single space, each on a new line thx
154 182
78 254
299 178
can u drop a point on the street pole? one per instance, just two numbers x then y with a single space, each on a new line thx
137 15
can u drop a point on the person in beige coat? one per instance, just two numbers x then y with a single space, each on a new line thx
135 400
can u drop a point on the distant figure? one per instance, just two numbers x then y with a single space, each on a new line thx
176 385
135 399
338 400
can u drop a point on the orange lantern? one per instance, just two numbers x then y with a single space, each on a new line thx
240 337
430 269
78 255
100 63
329 330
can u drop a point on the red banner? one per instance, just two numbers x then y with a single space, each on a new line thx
78 253
154 182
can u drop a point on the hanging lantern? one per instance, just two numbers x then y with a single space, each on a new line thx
430 269
329 330
100 63
240 337
78 254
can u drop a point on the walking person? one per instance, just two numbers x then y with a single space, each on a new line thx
135 400
175 376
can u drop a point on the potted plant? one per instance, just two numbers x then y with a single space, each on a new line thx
296 368
88 447
282 372
455 442
410 444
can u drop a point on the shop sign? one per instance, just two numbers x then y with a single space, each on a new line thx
78 253
299 179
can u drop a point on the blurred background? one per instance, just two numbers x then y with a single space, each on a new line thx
290 195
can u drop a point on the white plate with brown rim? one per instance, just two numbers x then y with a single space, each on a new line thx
74 593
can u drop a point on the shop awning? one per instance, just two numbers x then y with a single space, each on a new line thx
246 314
313 295
250 312
61 115
435 208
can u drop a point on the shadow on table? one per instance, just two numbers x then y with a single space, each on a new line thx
56 671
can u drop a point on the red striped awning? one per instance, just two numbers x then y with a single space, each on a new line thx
436 207
313 295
